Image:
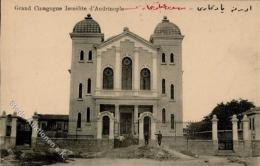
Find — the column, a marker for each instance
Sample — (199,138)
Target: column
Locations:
(215,132)
(98,74)
(155,112)
(117,120)
(99,128)
(141,130)
(117,70)
(99,122)
(136,120)
(111,128)
(234,121)
(136,71)
(154,73)
(214,128)
(3,125)
(153,129)
(245,121)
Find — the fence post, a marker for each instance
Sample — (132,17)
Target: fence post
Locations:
(14,129)
(246,136)
(3,125)
(245,121)
(215,132)
(234,121)
(35,129)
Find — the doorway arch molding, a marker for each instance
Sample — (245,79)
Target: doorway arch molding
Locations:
(141,125)
(100,124)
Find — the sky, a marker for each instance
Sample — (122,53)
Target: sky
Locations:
(220,50)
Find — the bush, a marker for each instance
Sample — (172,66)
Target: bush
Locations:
(3,153)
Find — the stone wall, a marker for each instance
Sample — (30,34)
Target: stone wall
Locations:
(256,148)
(203,147)
(7,142)
(77,145)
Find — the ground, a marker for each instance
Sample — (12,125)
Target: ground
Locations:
(135,156)
(154,156)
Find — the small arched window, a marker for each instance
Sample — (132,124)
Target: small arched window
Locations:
(145,79)
(89,86)
(108,78)
(163,57)
(81,55)
(90,55)
(88,114)
(126,73)
(163,115)
(172,121)
(79,120)
(172,91)
(163,86)
(172,58)
(80,90)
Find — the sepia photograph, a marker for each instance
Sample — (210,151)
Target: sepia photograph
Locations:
(130,83)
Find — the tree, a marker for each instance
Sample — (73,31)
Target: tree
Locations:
(224,112)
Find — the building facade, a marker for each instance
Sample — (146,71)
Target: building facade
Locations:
(125,85)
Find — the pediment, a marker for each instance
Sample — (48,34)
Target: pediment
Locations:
(114,41)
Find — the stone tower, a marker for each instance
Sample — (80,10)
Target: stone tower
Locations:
(168,37)
(85,36)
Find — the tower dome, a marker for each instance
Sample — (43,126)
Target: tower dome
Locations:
(88,25)
(166,28)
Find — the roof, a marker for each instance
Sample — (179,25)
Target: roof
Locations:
(88,25)
(53,117)
(255,110)
(167,28)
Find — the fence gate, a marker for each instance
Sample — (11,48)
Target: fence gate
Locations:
(225,141)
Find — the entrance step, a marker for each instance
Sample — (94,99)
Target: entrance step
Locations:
(23,147)
(226,153)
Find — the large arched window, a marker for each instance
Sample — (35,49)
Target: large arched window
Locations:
(163,115)
(172,58)
(163,58)
(145,81)
(88,115)
(89,86)
(172,91)
(79,120)
(90,55)
(163,86)
(127,73)
(80,90)
(81,55)
(108,78)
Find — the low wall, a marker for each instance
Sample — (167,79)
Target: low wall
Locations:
(203,147)
(76,145)
(7,142)
(242,148)
(256,148)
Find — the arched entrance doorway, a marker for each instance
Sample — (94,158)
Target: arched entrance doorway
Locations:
(105,127)
(23,132)
(147,125)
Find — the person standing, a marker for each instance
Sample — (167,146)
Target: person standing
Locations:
(159,138)
(146,138)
